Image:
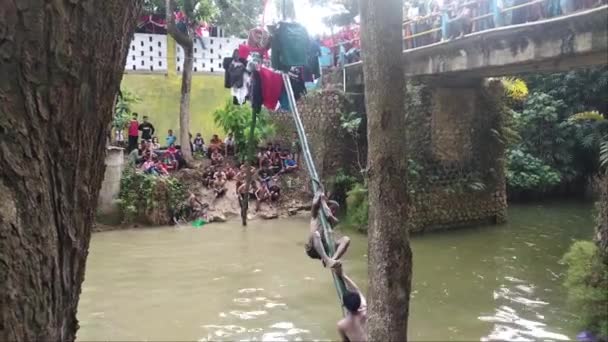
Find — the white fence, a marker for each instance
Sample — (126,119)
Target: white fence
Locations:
(210,58)
(148,53)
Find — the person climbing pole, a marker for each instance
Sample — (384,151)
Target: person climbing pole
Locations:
(353,327)
(316,241)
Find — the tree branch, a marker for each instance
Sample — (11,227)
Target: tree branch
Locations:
(181,38)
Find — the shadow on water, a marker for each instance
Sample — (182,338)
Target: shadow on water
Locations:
(225,283)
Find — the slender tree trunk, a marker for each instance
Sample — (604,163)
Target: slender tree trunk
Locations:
(187,43)
(184,103)
(390,257)
(61,63)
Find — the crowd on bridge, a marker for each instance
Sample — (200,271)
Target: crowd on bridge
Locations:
(431,21)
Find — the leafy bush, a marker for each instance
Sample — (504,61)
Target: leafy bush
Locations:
(149,198)
(526,172)
(123,111)
(357,207)
(587,281)
(516,89)
(237,120)
(340,184)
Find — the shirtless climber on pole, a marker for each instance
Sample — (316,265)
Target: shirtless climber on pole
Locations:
(353,327)
(315,245)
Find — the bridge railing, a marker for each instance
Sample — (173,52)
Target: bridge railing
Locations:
(453,21)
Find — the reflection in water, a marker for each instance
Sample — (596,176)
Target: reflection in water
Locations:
(226,283)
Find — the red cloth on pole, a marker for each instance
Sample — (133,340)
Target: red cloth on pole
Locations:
(272,87)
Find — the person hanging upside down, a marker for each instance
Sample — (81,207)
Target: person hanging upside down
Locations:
(315,246)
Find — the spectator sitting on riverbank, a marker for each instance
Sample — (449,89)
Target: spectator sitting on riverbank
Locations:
(199,144)
(171,139)
(219,183)
(135,157)
(264,176)
(262,195)
(289,164)
(274,189)
(155,144)
(208,176)
(214,143)
(229,145)
(230,172)
(216,157)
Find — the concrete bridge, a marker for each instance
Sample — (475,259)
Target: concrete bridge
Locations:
(562,43)
(454,112)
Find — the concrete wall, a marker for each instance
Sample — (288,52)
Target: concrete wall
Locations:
(107,209)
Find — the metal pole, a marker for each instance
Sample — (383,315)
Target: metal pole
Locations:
(329,246)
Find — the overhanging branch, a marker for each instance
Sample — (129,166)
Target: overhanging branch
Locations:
(181,38)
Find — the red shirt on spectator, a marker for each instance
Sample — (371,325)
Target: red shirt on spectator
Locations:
(134,128)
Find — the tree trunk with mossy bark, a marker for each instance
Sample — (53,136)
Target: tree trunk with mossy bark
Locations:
(389,253)
(187,44)
(61,63)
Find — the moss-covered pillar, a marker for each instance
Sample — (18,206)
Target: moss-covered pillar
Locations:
(456,171)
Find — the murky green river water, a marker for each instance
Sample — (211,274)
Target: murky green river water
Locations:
(222,282)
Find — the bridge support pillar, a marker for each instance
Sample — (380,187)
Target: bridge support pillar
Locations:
(456,171)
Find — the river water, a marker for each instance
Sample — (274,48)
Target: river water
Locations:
(223,282)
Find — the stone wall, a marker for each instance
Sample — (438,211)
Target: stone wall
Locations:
(455,151)
(331,148)
(456,171)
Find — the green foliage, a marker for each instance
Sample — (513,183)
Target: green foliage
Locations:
(559,126)
(526,172)
(592,115)
(237,120)
(124,109)
(579,89)
(546,135)
(340,184)
(586,282)
(515,88)
(237,17)
(195,10)
(346,11)
(604,153)
(351,124)
(139,194)
(357,204)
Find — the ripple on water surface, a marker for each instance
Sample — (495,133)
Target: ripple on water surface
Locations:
(225,283)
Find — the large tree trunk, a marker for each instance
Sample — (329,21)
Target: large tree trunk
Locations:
(390,257)
(61,63)
(184,103)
